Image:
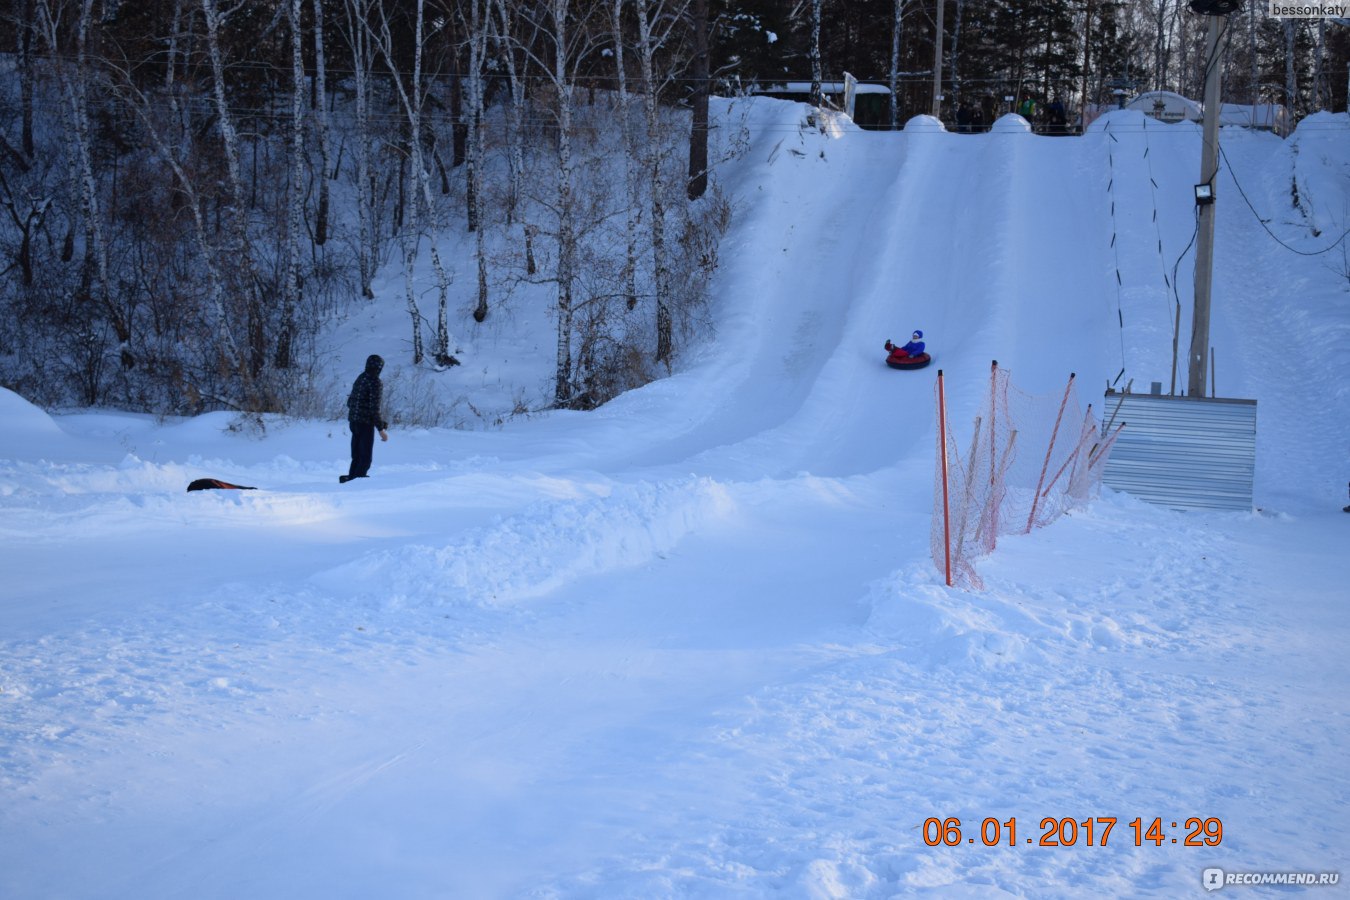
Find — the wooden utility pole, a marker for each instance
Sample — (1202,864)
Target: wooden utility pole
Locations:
(937,62)
(1204,248)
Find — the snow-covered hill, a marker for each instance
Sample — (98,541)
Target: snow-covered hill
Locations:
(691,644)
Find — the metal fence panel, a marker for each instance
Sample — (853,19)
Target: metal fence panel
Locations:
(1183,452)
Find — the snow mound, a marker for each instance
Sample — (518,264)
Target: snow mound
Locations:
(23,418)
(924,123)
(1012,123)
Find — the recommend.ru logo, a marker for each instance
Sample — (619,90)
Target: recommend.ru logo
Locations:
(1214,879)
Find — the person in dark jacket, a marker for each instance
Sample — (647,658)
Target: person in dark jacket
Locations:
(365,417)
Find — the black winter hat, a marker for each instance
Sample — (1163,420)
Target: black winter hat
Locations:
(374,363)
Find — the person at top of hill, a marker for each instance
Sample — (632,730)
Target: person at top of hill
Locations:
(908,351)
(365,417)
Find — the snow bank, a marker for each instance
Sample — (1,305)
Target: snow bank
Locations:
(1011,123)
(22,419)
(925,123)
(540,549)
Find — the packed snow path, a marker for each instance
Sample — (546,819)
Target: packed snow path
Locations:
(691,644)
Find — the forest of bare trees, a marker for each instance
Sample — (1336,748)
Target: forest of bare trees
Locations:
(1077,51)
(193,189)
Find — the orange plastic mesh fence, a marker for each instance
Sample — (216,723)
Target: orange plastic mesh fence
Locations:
(1029,460)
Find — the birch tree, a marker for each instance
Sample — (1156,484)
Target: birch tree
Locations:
(321,123)
(240,249)
(74,79)
(1321,88)
(176,150)
(698,131)
(411,99)
(649,42)
(1161,49)
(897,36)
(813,56)
(358,33)
(561,40)
(630,264)
(1290,76)
(954,58)
(296,194)
(476,27)
(502,35)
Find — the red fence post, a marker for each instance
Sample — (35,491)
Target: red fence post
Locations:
(1035,499)
(946,507)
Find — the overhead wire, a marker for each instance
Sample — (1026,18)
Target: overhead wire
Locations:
(1153,192)
(1228,166)
(1115,245)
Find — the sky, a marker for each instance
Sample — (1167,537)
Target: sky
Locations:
(693,643)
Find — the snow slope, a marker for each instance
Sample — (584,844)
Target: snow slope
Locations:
(691,644)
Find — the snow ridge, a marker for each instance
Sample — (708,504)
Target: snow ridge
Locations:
(547,545)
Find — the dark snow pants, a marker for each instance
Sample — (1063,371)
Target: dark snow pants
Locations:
(363,448)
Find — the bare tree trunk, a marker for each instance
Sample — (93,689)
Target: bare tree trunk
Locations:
(630,264)
(954,63)
(515,112)
(296,196)
(180,119)
(1254,61)
(1321,87)
(26,223)
(214,21)
(813,56)
(412,108)
(368,251)
(1290,78)
(236,217)
(94,278)
(897,33)
(698,133)
(479,22)
(321,125)
(660,254)
(563,388)
(410,237)
(1160,47)
(1192,77)
(26,82)
(171,149)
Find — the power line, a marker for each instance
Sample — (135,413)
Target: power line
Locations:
(1238,184)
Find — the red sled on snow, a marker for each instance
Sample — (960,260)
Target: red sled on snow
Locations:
(908,362)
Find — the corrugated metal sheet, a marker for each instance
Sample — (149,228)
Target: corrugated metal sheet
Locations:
(1183,452)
